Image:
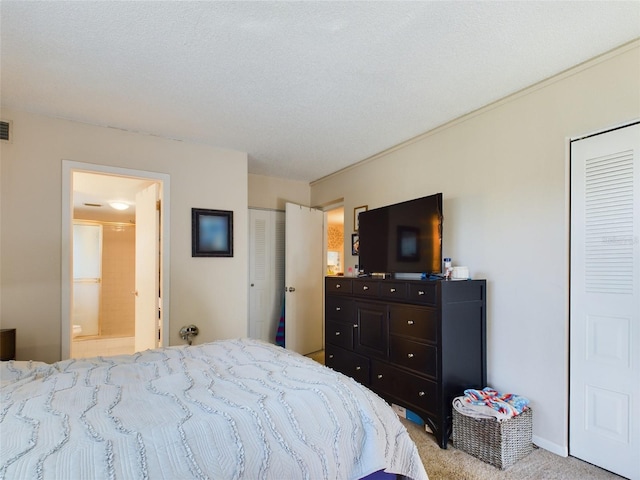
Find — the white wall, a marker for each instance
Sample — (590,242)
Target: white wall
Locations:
(504,174)
(210,292)
(273,193)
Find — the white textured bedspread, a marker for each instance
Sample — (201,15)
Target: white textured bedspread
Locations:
(235,409)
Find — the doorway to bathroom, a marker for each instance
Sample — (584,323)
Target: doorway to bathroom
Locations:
(116,300)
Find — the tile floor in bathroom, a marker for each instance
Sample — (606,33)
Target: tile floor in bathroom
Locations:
(101,346)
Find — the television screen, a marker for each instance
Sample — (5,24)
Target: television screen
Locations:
(402,238)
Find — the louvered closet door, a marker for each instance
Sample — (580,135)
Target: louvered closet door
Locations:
(266,272)
(604,423)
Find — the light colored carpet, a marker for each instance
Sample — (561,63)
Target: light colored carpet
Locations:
(453,464)
(317,356)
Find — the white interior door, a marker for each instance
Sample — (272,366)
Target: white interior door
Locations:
(304,268)
(266,272)
(604,423)
(147,268)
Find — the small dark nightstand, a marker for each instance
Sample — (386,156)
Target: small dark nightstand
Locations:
(7,344)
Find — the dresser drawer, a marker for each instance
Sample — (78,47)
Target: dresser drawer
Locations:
(417,356)
(338,285)
(339,308)
(393,290)
(349,363)
(424,293)
(416,322)
(366,288)
(340,334)
(410,390)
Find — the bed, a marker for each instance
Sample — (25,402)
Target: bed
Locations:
(232,409)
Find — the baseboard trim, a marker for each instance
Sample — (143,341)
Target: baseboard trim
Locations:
(563,451)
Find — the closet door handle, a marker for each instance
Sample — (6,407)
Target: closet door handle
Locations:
(337,334)
(410,322)
(409,355)
(338,309)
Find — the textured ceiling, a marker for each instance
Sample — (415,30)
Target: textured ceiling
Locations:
(306,88)
(93,192)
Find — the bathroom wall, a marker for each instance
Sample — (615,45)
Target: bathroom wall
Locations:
(117,306)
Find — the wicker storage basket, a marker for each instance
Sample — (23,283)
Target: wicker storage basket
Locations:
(500,444)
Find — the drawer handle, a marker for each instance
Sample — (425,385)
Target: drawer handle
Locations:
(338,309)
(365,288)
(331,355)
(421,394)
(358,368)
(338,285)
(379,375)
(355,325)
(409,355)
(420,292)
(392,290)
(410,322)
(337,333)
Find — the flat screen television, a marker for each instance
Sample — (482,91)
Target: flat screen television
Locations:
(402,238)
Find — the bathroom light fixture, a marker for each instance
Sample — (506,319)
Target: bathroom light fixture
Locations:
(119,205)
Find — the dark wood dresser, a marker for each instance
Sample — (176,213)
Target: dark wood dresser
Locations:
(417,344)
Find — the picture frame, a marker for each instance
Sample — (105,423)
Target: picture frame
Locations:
(355,244)
(356,213)
(211,233)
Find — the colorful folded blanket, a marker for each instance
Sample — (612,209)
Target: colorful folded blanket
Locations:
(507,404)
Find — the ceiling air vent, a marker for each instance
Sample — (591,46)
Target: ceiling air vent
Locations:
(5,128)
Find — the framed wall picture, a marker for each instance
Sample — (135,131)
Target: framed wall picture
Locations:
(355,244)
(211,233)
(356,212)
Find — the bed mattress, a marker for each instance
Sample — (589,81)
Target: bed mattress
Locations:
(233,409)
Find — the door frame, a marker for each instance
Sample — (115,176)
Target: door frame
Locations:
(68,167)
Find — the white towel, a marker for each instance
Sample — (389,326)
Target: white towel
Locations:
(478,411)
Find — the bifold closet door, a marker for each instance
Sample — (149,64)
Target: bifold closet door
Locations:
(266,272)
(604,423)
